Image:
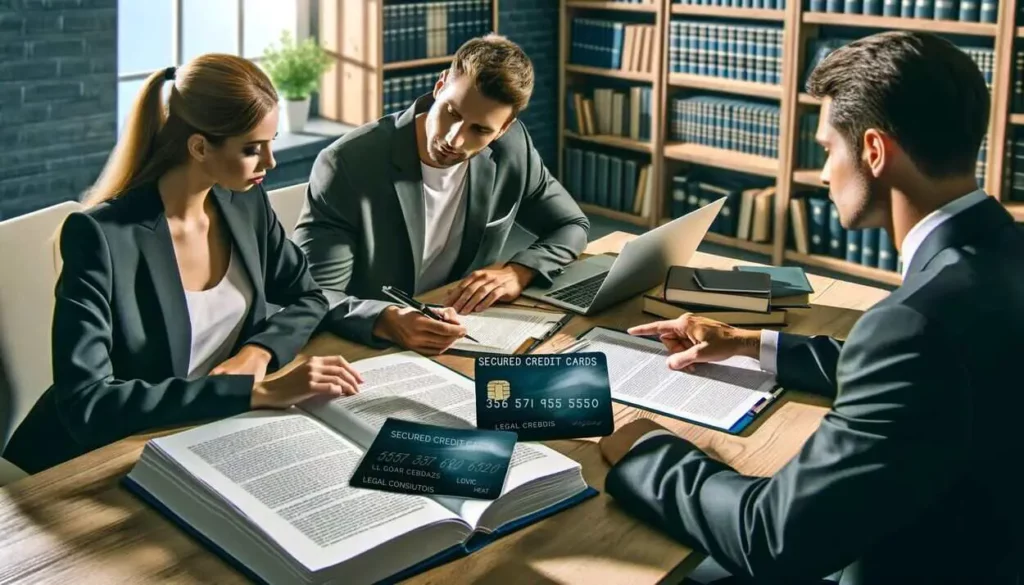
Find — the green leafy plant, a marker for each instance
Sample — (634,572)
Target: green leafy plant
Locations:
(295,69)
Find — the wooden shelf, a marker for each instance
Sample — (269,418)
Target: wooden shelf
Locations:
(722,240)
(723,84)
(806,98)
(620,6)
(609,140)
(354,90)
(721,158)
(730,12)
(613,214)
(417,63)
(784,172)
(851,268)
(808,177)
(983,29)
(615,73)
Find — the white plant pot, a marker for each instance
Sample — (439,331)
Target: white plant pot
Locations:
(294,114)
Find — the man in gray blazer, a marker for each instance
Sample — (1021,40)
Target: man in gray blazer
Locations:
(426,197)
(917,457)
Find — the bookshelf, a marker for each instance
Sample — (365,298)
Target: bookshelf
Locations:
(632,144)
(387,53)
(793,180)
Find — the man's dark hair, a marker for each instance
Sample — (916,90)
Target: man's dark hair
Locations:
(918,88)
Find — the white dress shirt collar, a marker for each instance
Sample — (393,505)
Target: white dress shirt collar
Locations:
(917,234)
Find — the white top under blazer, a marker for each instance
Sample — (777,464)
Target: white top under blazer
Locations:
(217,315)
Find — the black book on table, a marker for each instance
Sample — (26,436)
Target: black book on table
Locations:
(746,291)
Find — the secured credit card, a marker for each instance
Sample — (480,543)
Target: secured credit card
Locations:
(415,458)
(545,397)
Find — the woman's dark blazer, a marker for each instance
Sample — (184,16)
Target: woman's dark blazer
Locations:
(121,329)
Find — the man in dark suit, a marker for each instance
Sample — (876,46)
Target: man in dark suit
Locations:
(909,478)
(427,197)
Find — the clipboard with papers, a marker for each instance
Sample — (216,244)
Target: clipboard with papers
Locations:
(508,330)
(725,396)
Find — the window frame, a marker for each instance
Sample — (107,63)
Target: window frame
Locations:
(302,16)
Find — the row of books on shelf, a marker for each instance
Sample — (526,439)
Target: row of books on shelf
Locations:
(401,91)
(728,123)
(622,112)
(766,4)
(983,57)
(961,10)
(423,30)
(614,182)
(809,154)
(746,215)
(815,229)
(1017,97)
(1015,167)
(734,51)
(612,45)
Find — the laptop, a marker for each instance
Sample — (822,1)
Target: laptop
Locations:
(590,285)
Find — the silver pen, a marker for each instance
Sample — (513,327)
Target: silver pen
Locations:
(575,346)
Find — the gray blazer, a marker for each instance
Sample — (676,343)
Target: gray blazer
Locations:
(915,459)
(361,226)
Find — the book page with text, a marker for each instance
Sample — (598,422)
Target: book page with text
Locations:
(288,474)
(412,387)
(717,394)
(503,330)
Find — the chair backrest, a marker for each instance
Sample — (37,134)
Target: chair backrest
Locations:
(29,267)
(287,203)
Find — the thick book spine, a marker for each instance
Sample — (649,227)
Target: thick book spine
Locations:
(853,245)
(818,225)
(886,251)
(869,247)
(836,234)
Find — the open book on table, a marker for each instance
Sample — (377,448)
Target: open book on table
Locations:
(269,490)
(726,395)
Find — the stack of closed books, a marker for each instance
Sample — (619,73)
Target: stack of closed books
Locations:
(745,295)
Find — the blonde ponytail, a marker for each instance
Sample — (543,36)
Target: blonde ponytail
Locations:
(135,145)
(215,95)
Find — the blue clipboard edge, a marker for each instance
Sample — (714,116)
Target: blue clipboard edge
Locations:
(737,429)
(477,541)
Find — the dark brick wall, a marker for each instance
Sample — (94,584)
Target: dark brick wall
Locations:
(58,91)
(534,25)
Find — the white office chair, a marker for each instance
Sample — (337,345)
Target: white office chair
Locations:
(287,203)
(29,269)
(9,472)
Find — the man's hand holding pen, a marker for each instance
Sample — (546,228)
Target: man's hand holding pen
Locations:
(425,330)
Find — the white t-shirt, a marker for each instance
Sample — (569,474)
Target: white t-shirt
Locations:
(444,204)
(217,315)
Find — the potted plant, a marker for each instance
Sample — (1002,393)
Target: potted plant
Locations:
(296,70)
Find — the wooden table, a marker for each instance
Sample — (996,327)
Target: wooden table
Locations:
(75,524)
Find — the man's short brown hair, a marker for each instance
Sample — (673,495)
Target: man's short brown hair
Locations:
(500,69)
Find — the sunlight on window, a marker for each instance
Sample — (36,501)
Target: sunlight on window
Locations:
(264,21)
(145,32)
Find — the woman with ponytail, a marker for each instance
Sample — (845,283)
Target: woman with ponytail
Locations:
(161,315)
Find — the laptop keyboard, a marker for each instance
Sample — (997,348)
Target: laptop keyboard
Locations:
(582,293)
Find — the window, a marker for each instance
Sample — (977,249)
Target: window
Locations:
(155,34)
